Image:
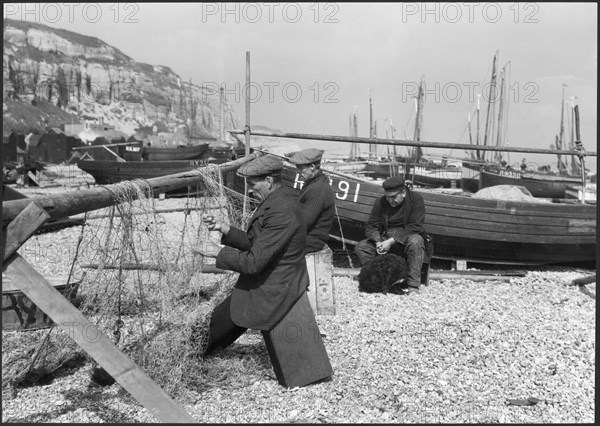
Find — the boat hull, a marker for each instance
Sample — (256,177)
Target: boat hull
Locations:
(474,229)
(107,172)
(149,153)
(470,176)
(441,177)
(541,186)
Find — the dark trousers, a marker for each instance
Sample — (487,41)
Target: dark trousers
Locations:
(295,345)
(223,332)
(412,249)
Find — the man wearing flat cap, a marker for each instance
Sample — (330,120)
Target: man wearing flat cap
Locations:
(396,226)
(316,198)
(269,257)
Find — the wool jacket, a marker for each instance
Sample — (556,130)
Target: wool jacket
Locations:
(318,209)
(396,222)
(270,260)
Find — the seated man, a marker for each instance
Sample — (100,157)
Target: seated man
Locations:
(316,198)
(396,226)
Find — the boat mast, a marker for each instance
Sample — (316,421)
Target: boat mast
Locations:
(393,131)
(470,134)
(575,169)
(221,115)
(418,151)
(562,166)
(489,124)
(372,147)
(478,153)
(353,132)
(499,142)
(351,156)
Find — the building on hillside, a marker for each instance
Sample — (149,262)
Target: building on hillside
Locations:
(88,131)
(87,126)
(9,150)
(19,139)
(54,146)
(11,146)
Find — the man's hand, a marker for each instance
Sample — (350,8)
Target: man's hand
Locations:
(215,225)
(384,246)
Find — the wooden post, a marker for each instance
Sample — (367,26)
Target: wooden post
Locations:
(581,154)
(247,130)
(56,306)
(320,291)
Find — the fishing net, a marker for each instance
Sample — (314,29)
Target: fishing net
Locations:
(139,274)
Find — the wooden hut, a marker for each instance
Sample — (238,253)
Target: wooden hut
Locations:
(9,148)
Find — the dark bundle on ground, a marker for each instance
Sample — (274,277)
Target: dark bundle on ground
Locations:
(382,274)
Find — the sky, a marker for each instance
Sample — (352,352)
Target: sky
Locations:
(314,64)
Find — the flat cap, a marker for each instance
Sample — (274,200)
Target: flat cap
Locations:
(261,166)
(395,183)
(307,156)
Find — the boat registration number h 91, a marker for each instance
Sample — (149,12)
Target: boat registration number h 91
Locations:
(342,189)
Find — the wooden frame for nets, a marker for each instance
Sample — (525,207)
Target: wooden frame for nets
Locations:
(22,218)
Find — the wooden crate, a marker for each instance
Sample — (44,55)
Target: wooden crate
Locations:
(320,291)
(20,313)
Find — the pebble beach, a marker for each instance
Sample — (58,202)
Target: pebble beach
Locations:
(519,350)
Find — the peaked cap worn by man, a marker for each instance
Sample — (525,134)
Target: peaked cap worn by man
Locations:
(307,156)
(395,183)
(261,166)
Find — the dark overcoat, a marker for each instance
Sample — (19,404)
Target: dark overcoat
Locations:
(270,260)
(318,209)
(383,219)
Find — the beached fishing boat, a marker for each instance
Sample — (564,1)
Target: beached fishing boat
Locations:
(470,179)
(578,193)
(475,229)
(435,176)
(539,184)
(164,153)
(105,172)
(478,173)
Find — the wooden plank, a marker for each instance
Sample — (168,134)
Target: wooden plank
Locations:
(22,227)
(491,236)
(119,159)
(584,280)
(437,275)
(94,342)
(129,266)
